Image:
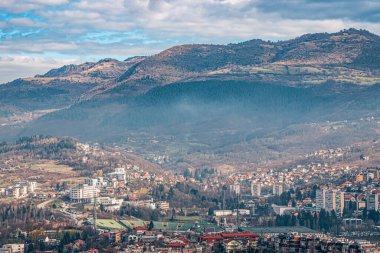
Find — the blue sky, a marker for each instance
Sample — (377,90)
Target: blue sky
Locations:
(36,35)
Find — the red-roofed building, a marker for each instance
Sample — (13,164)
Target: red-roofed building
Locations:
(175,245)
(90,251)
(141,229)
(240,235)
(210,238)
(183,239)
(243,239)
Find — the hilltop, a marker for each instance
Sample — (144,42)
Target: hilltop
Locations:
(216,100)
(348,56)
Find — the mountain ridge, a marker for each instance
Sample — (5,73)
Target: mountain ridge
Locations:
(349,56)
(212,99)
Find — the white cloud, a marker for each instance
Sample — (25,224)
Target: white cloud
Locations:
(25,22)
(25,66)
(17,6)
(202,20)
(49,2)
(41,47)
(125,28)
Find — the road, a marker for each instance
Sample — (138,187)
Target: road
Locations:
(43,204)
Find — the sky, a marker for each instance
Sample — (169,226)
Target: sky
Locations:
(37,35)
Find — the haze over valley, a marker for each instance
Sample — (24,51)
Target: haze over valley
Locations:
(247,103)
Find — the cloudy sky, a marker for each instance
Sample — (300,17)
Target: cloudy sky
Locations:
(36,35)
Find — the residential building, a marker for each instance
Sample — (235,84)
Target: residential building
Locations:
(91,181)
(335,201)
(83,193)
(280,210)
(118,174)
(222,212)
(278,189)
(163,205)
(12,248)
(255,189)
(373,201)
(330,199)
(235,187)
(320,199)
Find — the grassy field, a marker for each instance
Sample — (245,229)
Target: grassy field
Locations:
(51,167)
(43,171)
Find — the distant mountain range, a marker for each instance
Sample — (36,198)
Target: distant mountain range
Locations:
(206,98)
(349,56)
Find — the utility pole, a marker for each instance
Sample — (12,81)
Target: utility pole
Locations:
(224,200)
(237,212)
(94,210)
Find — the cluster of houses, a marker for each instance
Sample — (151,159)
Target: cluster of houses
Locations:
(110,191)
(19,190)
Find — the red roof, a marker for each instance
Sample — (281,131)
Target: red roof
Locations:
(183,239)
(239,234)
(175,245)
(228,236)
(141,228)
(81,242)
(210,237)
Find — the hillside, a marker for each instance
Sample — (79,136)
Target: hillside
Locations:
(253,101)
(61,87)
(50,159)
(222,121)
(347,56)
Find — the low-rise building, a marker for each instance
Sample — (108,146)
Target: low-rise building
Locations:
(163,205)
(12,248)
(280,210)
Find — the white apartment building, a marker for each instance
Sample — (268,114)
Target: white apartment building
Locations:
(241,212)
(255,189)
(335,200)
(219,213)
(330,199)
(83,193)
(32,186)
(143,203)
(109,201)
(91,181)
(110,204)
(373,201)
(21,189)
(120,170)
(118,174)
(278,189)
(235,187)
(12,248)
(163,205)
(320,199)
(13,192)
